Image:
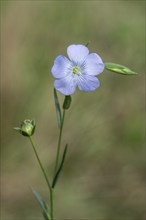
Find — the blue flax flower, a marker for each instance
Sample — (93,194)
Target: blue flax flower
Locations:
(80,70)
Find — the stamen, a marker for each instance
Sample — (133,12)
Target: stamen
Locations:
(76,70)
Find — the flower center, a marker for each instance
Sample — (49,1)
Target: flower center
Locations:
(76,70)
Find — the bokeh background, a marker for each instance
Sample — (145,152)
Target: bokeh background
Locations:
(103,176)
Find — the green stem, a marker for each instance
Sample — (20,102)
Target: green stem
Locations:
(51,204)
(59,143)
(45,176)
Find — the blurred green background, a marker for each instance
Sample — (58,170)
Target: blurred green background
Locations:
(103,176)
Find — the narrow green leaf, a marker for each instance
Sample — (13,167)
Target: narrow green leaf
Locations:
(60,168)
(43,205)
(67,102)
(58,110)
(117,68)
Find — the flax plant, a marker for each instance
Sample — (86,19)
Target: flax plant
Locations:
(79,70)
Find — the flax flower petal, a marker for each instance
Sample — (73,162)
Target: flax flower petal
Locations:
(62,66)
(88,83)
(66,85)
(77,53)
(93,65)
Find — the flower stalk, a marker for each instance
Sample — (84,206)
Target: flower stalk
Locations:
(45,176)
(40,163)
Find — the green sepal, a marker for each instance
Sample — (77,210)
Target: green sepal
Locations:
(87,44)
(60,167)
(17,129)
(67,102)
(58,110)
(117,68)
(43,205)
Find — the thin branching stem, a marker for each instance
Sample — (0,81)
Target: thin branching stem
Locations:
(45,176)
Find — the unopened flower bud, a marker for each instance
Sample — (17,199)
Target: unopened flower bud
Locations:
(27,128)
(67,102)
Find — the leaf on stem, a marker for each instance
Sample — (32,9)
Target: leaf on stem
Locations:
(117,68)
(43,204)
(60,168)
(58,110)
